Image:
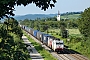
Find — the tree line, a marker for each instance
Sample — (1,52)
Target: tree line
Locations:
(49,22)
(71,13)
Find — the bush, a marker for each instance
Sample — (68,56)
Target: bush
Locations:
(59,34)
(56,33)
(53,31)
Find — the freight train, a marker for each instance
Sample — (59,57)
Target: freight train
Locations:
(52,42)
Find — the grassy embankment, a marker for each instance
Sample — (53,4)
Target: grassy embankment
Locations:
(72,44)
(44,53)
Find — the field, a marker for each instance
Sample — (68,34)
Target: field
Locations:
(71,31)
(73,16)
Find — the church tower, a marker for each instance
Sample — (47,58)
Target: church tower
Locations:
(58,16)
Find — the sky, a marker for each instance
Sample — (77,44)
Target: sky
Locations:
(61,5)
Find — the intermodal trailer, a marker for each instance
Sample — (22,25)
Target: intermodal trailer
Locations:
(23,27)
(39,35)
(35,33)
(27,29)
(31,31)
(45,38)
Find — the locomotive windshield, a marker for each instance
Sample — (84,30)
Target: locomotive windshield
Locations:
(59,43)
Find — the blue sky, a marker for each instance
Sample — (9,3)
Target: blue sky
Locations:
(61,5)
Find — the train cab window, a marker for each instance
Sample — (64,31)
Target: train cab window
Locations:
(59,43)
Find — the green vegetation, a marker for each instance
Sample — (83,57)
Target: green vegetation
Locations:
(72,16)
(44,53)
(79,30)
(44,24)
(72,32)
(84,23)
(76,41)
(11,43)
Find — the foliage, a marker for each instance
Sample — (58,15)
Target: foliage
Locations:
(12,26)
(11,44)
(63,31)
(7,6)
(50,22)
(77,41)
(71,13)
(84,23)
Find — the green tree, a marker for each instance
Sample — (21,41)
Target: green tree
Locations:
(11,45)
(84,23)
(8,6)
(12,26)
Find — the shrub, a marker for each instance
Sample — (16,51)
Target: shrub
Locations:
(56,33)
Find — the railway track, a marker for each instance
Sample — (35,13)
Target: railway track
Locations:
(76,56)
(62,56)
(80,56)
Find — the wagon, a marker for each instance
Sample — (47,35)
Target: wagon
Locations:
(45,38)
(35,33)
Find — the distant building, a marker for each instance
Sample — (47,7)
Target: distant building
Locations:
(58,16)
